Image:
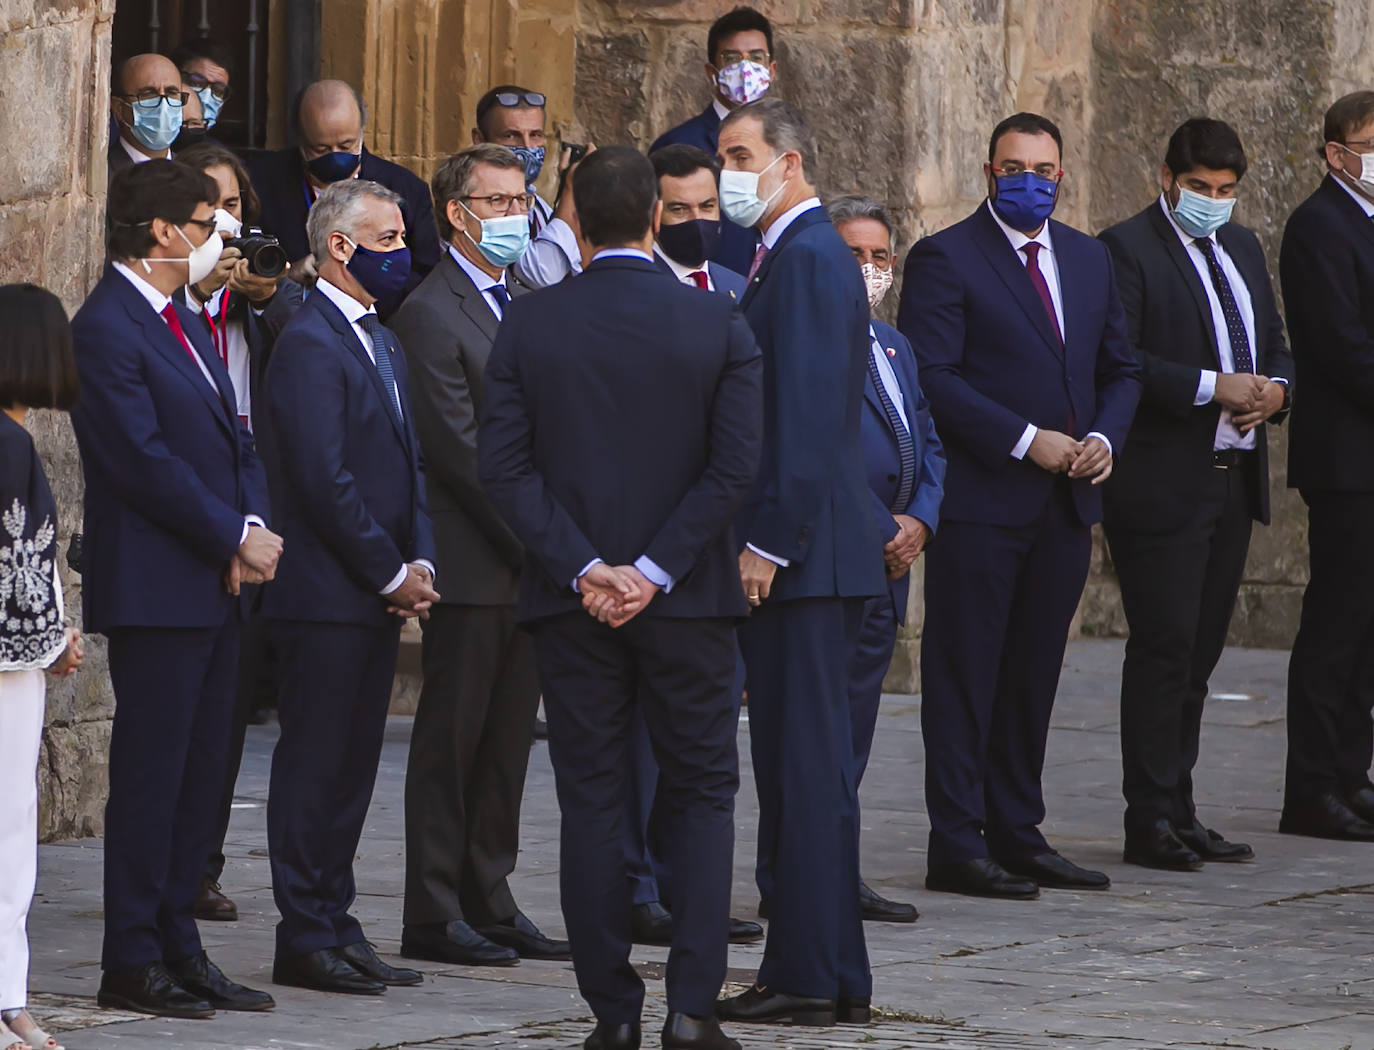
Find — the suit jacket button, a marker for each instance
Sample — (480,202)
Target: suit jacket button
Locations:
(892,477)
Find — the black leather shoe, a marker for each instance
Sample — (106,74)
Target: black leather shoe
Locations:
(1209,845)
(980,877)
(742,931)
(613,1037)
(363,958)
(1361,802)
(455,943)
(651,924)
(524,938)
(1051,871)
(324,971)
(150,989)
(1159,846)
(850,1009)
(1325,817)
(202,978)
(684,1032)
(880,909)
(764,1006)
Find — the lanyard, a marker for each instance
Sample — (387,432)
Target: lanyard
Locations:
(219,330)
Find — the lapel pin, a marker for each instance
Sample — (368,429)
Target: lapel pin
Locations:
(891,351)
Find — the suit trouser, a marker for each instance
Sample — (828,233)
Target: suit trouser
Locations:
(335,689)
(999,601)
(679,673)
(797,656)
(1178,590)
(174,696)
(21,729)
(1331,670)
(469,751)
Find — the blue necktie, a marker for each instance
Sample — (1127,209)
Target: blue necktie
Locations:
(502,297)
(381,350)
(906,449)
(1235,324)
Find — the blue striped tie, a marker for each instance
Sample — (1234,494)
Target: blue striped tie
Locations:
(381,350)
(906,450)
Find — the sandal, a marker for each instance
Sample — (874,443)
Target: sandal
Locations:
(10,1041)
(36,1038)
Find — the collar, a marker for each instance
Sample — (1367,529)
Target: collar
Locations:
(721,110)
(1364,202)
(479,277)
(135,155)
(352,310)
(780,224)
(155,298)
(679,271)
(1183,235)
(872,335)
(622,253)
(1018,239)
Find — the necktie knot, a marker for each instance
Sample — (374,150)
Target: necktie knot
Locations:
(698,278)
(1032,250)
(499,293)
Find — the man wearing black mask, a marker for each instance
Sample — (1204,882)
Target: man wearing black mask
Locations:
(692,225)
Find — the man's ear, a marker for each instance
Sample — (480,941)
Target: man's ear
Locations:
(656,223)
(457,218)
(477,139)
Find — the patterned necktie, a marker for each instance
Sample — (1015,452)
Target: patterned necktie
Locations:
(758,261)
(382,352)
(699,278)
(1235,324)
(906,449)
(1042,288)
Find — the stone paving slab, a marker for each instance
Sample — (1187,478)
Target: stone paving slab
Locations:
(1274,955)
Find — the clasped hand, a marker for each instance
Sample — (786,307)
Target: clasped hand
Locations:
(1060,454)
(1251,399)
(256,559)
(415,595)
(615,595)
(903,549)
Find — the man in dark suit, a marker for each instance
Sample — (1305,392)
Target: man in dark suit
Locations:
(739,62)
(1032,382)
(349,491)
(1326,267)
(174,524)
(906,475)
(809,556)
(328,121)
(1201,314)
(470,746)
(146,100)
(571,420)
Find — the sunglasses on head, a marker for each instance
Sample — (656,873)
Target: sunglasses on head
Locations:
(520,98)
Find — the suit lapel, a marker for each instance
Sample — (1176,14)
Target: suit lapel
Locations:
(1010,267)
(470,300)
(1186,270)
(803,221)
(354,346)
(1346,205)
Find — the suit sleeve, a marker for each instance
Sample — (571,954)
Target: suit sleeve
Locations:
(446,420)
(1168,385)
(932,317)
(1277,361)
(733,462)
(1117,372)
(308,402)
(505,464)
(281,309)
(123,437)
(930,486)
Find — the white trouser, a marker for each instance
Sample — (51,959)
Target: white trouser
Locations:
(21,731)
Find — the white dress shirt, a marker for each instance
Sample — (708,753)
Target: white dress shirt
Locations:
(1048,265)
(484,281)
(684,273)
(553,253)
(722,111)
(354,312)
(136,156)
(888,375)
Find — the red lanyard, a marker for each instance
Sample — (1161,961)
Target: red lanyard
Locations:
(219,332)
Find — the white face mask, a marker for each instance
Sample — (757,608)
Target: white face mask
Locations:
(739,194)
(201,260)
(744,82)
(877,282)
(226,223)
(1366,175)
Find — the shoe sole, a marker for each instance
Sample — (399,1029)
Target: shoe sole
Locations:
(857,1015)
(410,953)
(111,1001)
(217,917)
(965,892)
(1074,886)
(1312,833)
(262,1008)
(891,918)
(1154,865)
(329,989)
(801,1018)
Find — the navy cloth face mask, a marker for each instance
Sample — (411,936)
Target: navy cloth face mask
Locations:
(333,167)
(690,243)
(1025,200)
(382,274)
(533,159)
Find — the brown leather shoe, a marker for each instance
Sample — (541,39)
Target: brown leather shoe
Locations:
(212,905)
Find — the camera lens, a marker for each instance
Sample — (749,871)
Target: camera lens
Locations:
(268,261)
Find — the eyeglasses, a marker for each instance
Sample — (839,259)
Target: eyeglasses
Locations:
(208,225)
(1367,144)
(1015,167)
(193,124)
(520,98)
(503,202)
(218,88)
(151,98)
(731,58)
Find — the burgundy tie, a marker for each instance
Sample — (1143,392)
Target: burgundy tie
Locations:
(1042,289)
(699,277)
(169,314)
(758,261)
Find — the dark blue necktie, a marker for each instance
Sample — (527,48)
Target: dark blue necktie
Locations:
(381,350)
(1235,324)
(906,450)
(499,293)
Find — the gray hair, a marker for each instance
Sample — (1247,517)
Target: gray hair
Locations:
(454,178)
(339,208)
(857,206)
(784,128)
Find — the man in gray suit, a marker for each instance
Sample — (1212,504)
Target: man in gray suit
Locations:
(470,745)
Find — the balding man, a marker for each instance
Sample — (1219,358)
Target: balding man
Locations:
(146,99)
(327,122)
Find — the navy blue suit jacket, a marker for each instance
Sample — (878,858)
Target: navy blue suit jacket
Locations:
(883,461)
(631,429)
(991,363)
(170,473)
(723,278)
(346,474)
(809,311)
(279,181)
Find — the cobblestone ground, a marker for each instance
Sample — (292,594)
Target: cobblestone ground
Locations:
(1276,954)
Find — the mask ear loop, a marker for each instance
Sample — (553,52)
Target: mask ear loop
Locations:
(148,269)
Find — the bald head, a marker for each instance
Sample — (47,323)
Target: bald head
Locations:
(148,73)
(330,115)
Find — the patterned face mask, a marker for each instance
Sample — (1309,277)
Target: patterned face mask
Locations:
(877,281)
(744,82)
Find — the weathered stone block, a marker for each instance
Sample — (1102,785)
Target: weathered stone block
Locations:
(74,775)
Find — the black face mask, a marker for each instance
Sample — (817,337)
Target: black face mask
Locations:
(188,137)
(690,243)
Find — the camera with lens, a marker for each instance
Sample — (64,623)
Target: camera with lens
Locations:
(264,253)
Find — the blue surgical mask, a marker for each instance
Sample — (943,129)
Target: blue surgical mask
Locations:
(1025,200)
(739,194)
(1200,216)
(382,274)
(156,127)
(533,159)
(212,105)
(504,238)
(333,166)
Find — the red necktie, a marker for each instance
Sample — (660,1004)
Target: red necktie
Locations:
(758,261)
(169,314)
(699,276)
(1042,289)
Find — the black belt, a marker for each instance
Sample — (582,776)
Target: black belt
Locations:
(1226,458)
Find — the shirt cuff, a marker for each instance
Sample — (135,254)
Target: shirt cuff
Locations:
(396,581)
(1206,387)
(1102,438)
(425,563)
(585,569)
(1277,379)
(250,519)
(650,570)
(784,562)
(1020,449)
